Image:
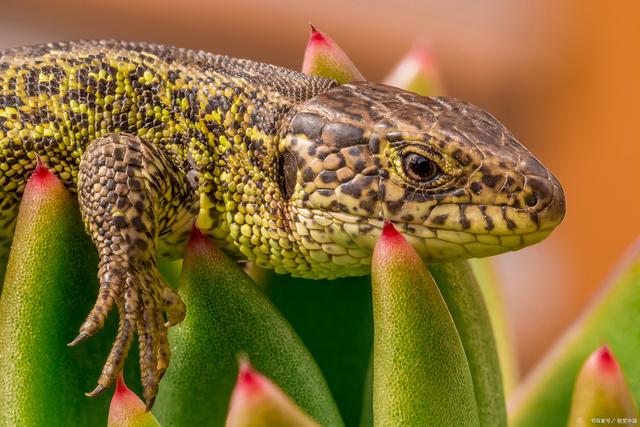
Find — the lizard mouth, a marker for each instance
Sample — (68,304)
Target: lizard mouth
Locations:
(491,231)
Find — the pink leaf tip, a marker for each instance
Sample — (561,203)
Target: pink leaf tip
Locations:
(248,379)
(417,72)
(388,229)
(42,175)
(316,36)
(257,402)
(605,360)
(127,410)
(198,239)
(121,387)
(391,234)
(324,58)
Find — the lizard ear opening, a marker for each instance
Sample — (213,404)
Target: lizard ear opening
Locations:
(287,171)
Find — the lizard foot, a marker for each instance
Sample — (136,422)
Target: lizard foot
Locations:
(128,193)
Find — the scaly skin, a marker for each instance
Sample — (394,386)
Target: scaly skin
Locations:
(293,172)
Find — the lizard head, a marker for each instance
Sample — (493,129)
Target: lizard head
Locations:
(451,178)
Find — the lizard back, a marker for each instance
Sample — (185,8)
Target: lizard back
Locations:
(56,98)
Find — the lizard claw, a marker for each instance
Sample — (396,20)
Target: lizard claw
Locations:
(109,288)
(149,331)
(117,356)
(149,404)
(141,306)
(80,338)
(96,391)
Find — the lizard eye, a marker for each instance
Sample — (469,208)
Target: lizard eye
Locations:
(419,168)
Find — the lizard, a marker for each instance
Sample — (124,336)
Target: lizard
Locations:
(293,172)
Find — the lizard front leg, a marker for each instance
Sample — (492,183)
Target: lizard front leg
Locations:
(129,194)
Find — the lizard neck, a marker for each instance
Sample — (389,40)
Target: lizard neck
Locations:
(234,151)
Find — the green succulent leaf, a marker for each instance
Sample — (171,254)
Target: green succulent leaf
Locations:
(334,320)
(465,302)
(227,315)
(49,287)
(601,393)
(170,271)
(486,279)
(420,372)
(545,396)
(366,413)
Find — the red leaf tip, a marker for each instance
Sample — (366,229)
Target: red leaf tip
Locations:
(41,171)
(245,372)
(42,179)
(389,230)
(197,237)
(423,54)
(248,379)
(317,36)
(121,386)
(604,359)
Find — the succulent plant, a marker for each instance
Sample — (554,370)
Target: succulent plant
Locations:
(409,345)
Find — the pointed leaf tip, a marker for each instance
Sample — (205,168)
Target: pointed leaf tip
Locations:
(605,359)
(42,177)
(248,379)
(324,58)
(389,230)
(417,72)
(121,387)
(127,410)
(197,238)
(316,36)
(392,244)
(601,391)
(257,402)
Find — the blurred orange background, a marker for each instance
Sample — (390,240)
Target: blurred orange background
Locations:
(563,76)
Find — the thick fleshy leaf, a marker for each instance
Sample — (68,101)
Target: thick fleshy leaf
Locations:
(4,260)
(417,72)
(366,412)
(545,396)
(227,315)
(420,372)
(50,285)
(334,320)
(257,402)
(465,302)
(601,395)
(128,410)
(170,271)
(324,58)
(487,281)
